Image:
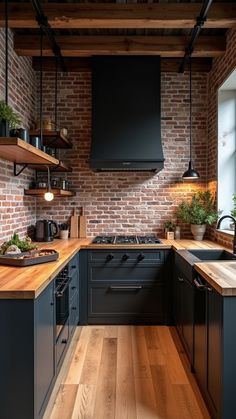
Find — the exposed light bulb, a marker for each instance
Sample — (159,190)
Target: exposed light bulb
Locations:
(48,196)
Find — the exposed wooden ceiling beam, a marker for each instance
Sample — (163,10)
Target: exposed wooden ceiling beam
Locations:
(98,15)
(85,46)
(84,64)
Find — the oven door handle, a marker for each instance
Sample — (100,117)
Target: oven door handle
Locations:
(60,293)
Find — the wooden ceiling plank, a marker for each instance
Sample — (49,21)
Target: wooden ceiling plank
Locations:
(115,15)
(86,46)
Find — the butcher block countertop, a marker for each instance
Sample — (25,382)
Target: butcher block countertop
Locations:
(29,282)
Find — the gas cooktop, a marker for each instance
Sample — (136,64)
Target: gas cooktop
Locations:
(148,239)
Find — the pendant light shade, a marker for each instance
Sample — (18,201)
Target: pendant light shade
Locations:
(190,173)
(49,195)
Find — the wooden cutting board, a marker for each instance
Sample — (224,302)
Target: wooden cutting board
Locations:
(74,225)
(82,224)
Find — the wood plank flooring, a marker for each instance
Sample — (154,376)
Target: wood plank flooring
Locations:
(129,372)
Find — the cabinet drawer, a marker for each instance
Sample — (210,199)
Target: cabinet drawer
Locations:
(62,342)
(74,313)
(125,273)
(73,265)
(121,300)
(126,256)
(74,285)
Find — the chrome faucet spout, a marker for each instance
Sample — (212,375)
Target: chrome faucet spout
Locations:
(234,221)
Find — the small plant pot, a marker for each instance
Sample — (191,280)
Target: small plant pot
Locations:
(170,235)
(64,234)
(198,231)
(4,128)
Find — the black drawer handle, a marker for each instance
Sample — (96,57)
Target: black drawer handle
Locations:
(64,341)
(74,308)
(110,256)
(199,284)
(73,267)
(125,257)
(141,256)
(126,288)
(73,288)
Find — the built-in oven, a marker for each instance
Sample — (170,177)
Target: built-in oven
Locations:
(62,299)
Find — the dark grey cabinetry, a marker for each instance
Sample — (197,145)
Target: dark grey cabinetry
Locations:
(126,286)
(184,304)
(215,348)
(26,355)
(30,357)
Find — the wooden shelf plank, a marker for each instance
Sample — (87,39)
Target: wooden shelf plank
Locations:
(18,151)
(59,167)
(41,191)
(53,138)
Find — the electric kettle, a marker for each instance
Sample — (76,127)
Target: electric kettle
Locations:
(46,230)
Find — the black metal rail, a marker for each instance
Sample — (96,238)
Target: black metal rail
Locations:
(46,28)
(195,33)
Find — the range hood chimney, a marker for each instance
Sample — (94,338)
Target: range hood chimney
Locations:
(126,128)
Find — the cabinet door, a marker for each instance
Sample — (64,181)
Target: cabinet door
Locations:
(44,344)
(214,351)
(177,300)
(200,336)
(187,307)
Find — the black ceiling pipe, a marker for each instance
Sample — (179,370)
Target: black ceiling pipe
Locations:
(195,33)
(45,26)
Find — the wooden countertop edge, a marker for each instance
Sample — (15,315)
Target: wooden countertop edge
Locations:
(215,279)
(73,246)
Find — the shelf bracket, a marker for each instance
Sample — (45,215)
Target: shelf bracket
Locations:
(21,170)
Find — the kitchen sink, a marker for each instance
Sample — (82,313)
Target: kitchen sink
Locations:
(212,254)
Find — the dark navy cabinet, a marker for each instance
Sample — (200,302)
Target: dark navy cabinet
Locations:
(126,286)
(30,356)
(184,304)
(215,348)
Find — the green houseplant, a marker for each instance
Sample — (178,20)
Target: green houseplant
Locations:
(198,212)
(8,119)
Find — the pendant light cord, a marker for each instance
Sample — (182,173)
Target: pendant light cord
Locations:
(190,105)
(6,52)
(41,87)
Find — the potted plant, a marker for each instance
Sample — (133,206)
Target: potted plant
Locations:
(169,229)
(8,119)
(199,212)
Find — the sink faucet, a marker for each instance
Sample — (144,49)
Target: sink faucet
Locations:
(234,221)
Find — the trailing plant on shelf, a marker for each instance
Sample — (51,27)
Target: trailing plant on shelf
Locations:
(9,119)
(198,212)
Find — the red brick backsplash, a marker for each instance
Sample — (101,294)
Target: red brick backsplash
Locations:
(17,211)
(128,202)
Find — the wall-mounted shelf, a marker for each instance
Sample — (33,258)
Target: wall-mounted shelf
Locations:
(53,138)
(56,192)
(18,151)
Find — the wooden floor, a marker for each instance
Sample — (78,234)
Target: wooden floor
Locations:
(128,372)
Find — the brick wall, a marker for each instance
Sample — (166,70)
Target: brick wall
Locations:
(221,69)
(128,202)
(16,210)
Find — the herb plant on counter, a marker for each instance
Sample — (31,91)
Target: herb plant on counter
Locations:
(23,245)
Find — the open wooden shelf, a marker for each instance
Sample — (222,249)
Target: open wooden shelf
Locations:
(41,191)
(18,151)
(53,138)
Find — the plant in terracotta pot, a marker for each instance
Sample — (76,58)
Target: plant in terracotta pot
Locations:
(199,212)
(9,119)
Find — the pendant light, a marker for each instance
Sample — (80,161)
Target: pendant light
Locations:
(49,195)
(190,173)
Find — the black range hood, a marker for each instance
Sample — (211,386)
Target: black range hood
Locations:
(126,128)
